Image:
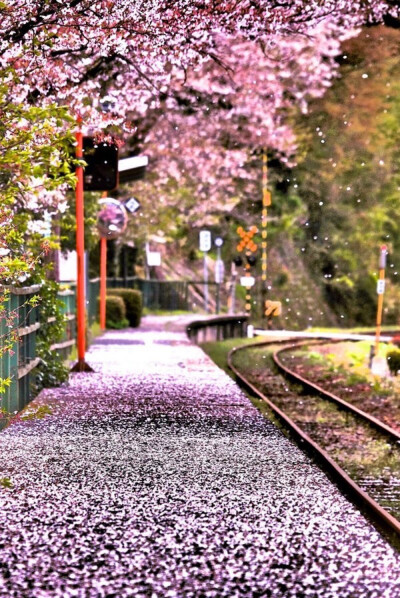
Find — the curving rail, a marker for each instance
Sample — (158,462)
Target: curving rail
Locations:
(328,395)
(358,495)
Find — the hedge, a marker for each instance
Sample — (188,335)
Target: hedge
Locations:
(393,361)
(133,304)
(115,313)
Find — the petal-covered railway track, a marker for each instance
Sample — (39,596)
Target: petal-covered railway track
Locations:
(359,451)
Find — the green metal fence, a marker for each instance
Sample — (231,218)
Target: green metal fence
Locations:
(93,292)
(67,299)
(163,294)
(169,295)
(19,363)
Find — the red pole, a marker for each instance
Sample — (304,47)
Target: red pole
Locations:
(103,281)
(80,366)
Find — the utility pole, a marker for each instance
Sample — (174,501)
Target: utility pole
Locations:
(266,201)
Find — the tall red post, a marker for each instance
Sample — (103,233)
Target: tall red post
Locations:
(81,365)
(103,281)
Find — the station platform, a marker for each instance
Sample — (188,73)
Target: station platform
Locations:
(154,476)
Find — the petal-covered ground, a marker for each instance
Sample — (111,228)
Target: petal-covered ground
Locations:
(155,477)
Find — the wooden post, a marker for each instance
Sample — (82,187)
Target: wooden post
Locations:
(266,201)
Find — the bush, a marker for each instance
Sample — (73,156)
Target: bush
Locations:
(51,370)
(115,313)
(133,304)
(393,361)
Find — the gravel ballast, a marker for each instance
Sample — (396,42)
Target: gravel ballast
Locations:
(155,477)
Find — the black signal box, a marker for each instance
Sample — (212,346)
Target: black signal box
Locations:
(101,172)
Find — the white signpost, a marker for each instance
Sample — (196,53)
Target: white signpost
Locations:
(153,258)
(219,271)
(205,245)
(205,240)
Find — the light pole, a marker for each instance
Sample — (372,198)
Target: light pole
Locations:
(266,201)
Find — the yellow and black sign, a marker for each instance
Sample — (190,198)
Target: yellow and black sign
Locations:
(273,308)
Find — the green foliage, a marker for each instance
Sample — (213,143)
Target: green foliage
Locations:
(133,304)
(6,483)
(281,279)
(4,384)
(349,178)
(38,413)
(68,223)
(51,371)
(393,361)
(34,160)
(35,165)
(115,313)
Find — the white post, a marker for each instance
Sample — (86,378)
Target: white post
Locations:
(205,245)
(205,277)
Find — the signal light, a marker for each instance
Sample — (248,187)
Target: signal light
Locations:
(101,172)
(251,260)
(238,261)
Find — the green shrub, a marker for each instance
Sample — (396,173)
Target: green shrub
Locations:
(393,361)
(51,370)
(115,313)
(281,279)
(133,304)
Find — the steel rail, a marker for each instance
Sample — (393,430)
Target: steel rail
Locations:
(358,495)
(373,421)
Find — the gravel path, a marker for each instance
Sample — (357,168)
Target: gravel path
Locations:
(155,477)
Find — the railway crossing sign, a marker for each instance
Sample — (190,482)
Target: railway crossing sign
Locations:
(273,308)
(246,239)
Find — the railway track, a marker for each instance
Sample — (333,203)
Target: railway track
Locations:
(295,409)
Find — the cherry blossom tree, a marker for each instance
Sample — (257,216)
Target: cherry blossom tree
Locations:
(202,84)
(212,80)
(131,48)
